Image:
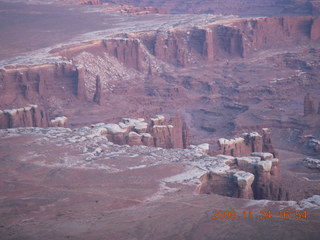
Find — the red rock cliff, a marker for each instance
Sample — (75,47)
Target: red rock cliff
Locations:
(253,177)
(246,144)
(31,116)
(172,133)
(145,51)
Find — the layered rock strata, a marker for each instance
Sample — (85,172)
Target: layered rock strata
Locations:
(247,144)
(241,146)
(97,94)
(145,51)
(160,132)
(254,177)
(31,116)
(90,2)
(267,145)
(38,83)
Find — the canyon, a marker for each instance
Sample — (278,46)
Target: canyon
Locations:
(227,7)
(131,122)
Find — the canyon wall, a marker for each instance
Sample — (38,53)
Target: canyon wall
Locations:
(31,116)
(34,84)
(236,7)
(245,37)
(254,177)
(127,51)
(143,53)
(231,38)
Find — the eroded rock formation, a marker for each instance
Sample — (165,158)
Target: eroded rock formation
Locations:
(232,183)
(227,7)
(247,144)
(36,83)
(127,50)
(97,94)
(254,177)
(180,47)
(311,163)
(90,2)
(267,145)
(31,116)
(59,122)
(241,146)
(160,132)
(80,89)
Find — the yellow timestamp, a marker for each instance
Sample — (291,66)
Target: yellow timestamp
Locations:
(263,214)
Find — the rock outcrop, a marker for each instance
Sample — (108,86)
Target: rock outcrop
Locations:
(140,51)
(171,47)
(98,92)
(241,146)
(79,80)
(180,132)
(201,148)
(163,136)
(31,116)
(267,175)
(247,144)
(232,183)
(37,83)
(232,7)
(312,143)
(311,163)
(90,2)
(59,122)
(267,145)
(254,177)
(134,139)
(160,132)
(127,50)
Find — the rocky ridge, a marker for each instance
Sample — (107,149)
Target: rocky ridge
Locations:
(239,7)
(160,132)
(255,177)
(239,173)
(246,144)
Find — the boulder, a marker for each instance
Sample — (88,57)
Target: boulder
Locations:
(59,122)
